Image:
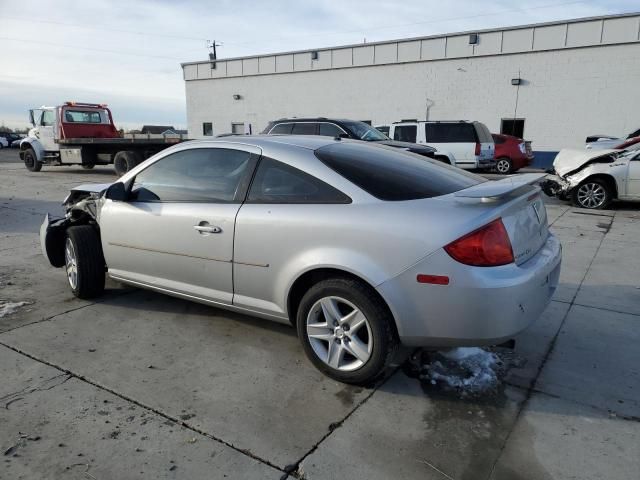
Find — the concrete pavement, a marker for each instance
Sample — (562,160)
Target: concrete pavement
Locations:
(140,385)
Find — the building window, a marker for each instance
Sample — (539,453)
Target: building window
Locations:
(512,126)
(207,129)
(237,128)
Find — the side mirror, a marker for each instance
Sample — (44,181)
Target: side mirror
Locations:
(116,192)
(31,119)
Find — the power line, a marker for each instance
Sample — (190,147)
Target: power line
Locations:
(103,27)
(102,50)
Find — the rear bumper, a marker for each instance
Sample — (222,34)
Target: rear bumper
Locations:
(480,306)
(486,162)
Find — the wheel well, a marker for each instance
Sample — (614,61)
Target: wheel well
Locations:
(605,178)
(443,159)
(308,279)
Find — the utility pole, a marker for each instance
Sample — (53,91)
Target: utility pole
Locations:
(212,53)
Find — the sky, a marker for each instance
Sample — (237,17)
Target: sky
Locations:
(128,53)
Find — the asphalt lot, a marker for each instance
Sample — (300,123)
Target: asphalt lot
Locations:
(140,385)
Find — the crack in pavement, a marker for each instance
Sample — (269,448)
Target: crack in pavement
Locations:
(47,384)
(47,319)
(295,468)
(532,389)
(158,412)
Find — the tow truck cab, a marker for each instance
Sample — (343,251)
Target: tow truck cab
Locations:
(84,134)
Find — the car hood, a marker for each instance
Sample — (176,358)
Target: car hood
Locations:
(569,160)
(413,147)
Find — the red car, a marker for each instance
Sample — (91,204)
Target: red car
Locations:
(511,153)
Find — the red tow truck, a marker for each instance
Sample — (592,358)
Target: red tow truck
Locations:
(84,134)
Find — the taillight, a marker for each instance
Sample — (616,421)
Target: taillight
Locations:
(488,246)
(477,148)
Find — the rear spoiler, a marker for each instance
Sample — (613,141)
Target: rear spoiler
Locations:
(499,190)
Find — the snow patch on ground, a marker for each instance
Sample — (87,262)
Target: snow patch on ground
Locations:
(467,370)
(7,308)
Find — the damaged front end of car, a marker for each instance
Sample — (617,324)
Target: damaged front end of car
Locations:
(81,208)
(572,167)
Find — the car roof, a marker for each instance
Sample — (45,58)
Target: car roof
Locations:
(436,121)
(309,142)
(314,119)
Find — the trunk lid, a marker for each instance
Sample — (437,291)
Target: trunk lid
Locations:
(519,204)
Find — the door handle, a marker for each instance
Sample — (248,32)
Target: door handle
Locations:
(207,229)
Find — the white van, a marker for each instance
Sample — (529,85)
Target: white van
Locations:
(470,144)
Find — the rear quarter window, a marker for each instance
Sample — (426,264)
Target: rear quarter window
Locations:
(394,175)
(405,133)
(450,133)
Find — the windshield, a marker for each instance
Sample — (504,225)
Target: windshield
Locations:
(365,132)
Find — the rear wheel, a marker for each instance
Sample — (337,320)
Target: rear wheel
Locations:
(31,160)
(504,165)
(125,161)
(346,330)
(592,194)
(84,261)
(88,166)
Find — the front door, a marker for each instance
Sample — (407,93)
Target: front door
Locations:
(176,230)
(46,130)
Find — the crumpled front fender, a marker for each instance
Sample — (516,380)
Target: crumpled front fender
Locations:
(52,238)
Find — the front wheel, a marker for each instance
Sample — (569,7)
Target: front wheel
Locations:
(346,330)
(592,194)
(504,165)
(31,160)
(84,261)
(88,166)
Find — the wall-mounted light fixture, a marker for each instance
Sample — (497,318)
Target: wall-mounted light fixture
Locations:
(473,39)
(237,96)
(314,55)
(516,81)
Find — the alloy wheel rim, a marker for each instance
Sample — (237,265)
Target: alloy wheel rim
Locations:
(71,263)
(339,334)
(502,166)
(591,195)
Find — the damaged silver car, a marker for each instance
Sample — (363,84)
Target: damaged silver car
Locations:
(361,247)
(594,178)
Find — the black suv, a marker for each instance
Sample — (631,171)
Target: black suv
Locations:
(331,127)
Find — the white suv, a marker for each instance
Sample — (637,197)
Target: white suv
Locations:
(469,144)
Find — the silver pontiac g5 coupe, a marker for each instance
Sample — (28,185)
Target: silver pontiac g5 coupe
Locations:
(361,247)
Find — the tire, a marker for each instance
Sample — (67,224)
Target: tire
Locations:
(593,194)
(84,261)
(31,160)
(504,165)
(88,166)
(125,161)
(375,339)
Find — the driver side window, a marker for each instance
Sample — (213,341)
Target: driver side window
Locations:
(203,175)
(47,118)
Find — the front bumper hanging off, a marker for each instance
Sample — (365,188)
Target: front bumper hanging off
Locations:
(555,186)
(52,236)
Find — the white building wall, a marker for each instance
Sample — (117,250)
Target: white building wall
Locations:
(567,93)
